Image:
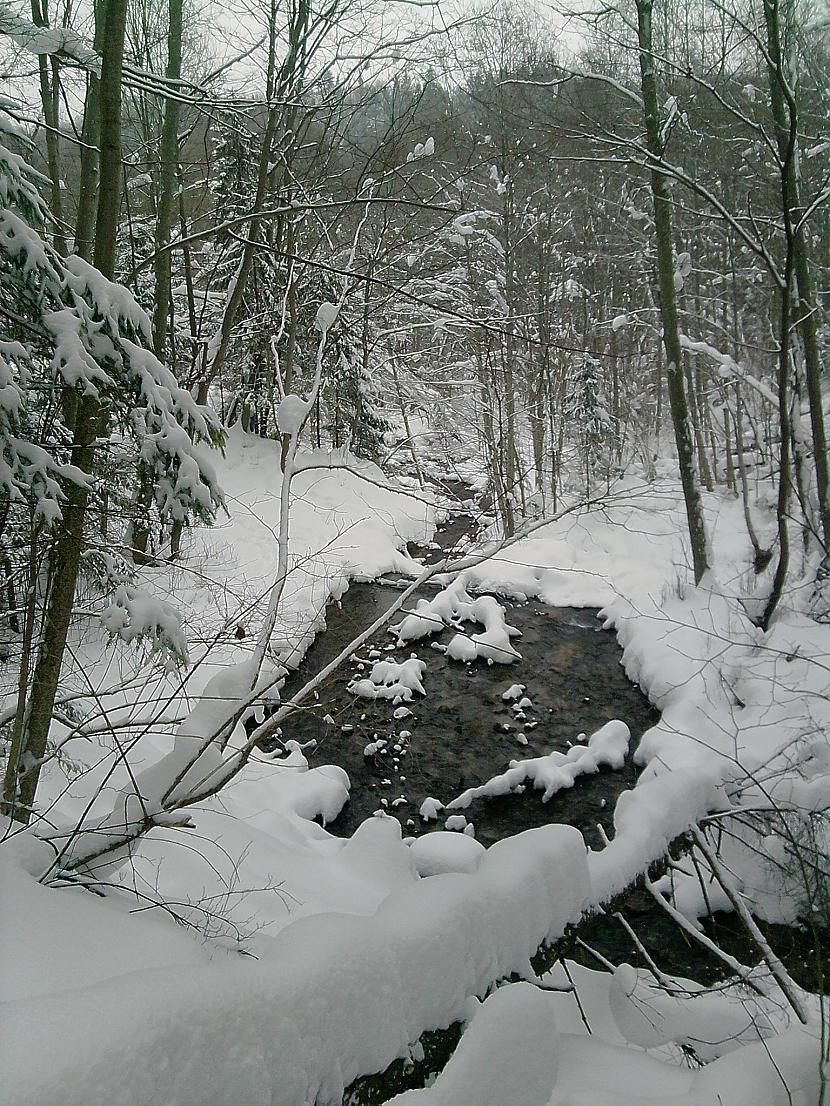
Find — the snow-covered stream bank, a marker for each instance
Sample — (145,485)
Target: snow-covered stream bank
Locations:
(454,744)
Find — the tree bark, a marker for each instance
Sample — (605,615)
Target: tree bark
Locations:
(49,77)
(668,303)
(168,160)
(782,506)
(109,182)
(90,152)
(785,116)
(139,531)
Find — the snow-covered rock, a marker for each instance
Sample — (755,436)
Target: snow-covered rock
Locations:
(443,851)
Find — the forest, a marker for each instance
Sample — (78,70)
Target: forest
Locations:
(415,553)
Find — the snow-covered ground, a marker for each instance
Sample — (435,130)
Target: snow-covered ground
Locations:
(353,953)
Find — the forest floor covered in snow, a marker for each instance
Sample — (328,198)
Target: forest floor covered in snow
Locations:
(253,957)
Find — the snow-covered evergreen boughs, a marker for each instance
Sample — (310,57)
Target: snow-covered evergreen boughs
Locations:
(86,335)
(134,615)
(26,469)
(594,427)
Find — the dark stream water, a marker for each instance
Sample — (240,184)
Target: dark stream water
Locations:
(462,732)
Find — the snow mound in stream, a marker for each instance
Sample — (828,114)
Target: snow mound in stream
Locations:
(390,680)
(556,771)
(454,606)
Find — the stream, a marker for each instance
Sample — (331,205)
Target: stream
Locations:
(462,732)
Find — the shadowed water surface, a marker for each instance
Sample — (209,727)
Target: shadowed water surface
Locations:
(462,732)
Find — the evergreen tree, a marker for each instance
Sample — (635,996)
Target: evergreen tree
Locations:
(592,424)
(71,335)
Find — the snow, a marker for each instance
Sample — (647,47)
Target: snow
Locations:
(711,1024)
(335,997)
(453,606)
(254,856)
(390,680)
(364,943)
(49,40)
(326,316)
(430,809)
(440,851)
(456,822)
(646,820)
(525,1045)
(73,938)
(136,616)
(422,150)
(507,1056)
(555,771)
(515,691)
(291,413)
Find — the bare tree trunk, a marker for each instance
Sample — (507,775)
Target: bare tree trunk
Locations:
(90,153)
(66,559)
(139,530)
(16,749)
(782,507)
(49,78)
(406,426)
(168,160)
(536,416)
(510,469)
(291,342)
(188,270)
(762,556)
(785,116)
(668,304)
(730,482)
(109,183)
(694,410)
(536,397)
(278,114)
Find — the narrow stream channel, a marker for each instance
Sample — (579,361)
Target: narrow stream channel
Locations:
(462,732)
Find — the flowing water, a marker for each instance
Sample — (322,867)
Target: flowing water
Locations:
(462,732)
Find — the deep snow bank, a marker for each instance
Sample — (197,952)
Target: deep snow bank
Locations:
(337,997)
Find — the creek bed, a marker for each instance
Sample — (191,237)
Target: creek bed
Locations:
(463,733)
